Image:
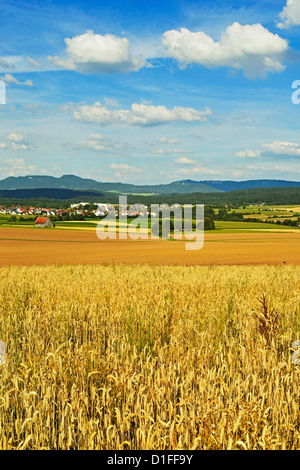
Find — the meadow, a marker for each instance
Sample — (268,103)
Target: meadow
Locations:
(149,357)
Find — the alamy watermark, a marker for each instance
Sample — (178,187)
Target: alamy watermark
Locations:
(295,96)
(179,222)
(2,92)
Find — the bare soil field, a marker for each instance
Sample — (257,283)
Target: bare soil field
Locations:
(26,247)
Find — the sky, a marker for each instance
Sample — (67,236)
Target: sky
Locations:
(150,92)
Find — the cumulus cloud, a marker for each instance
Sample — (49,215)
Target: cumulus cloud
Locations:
(93,142)
(18,141)
(139,114)
(17,146)
(3,146)
(8,78)
(282,148)
(248,153)
(185,161)
(93,53)
(251,48)
(167,151)
(290,15)
(165,140)
(277,148)
(16,137)
(196,170)
(16,167)
(124,170)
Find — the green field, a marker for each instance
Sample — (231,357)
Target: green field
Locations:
(268,211)
(221,226)
(224,226)
(258,212)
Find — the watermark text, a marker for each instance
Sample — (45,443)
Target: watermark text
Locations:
(2,92)
(179,222)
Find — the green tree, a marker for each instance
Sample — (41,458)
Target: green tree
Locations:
(209,224)
(222,214)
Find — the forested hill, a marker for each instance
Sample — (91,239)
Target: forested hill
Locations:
(77,183)
(48,194)
(251,184)
(187,186)
(60,197)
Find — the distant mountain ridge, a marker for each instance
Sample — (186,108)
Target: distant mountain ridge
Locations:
(48,193)
(78,183)
(73,182)
(251,184)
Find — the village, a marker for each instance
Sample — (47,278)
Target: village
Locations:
(78,211)
(74,209)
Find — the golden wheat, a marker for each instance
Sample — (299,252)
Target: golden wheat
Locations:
(140,357)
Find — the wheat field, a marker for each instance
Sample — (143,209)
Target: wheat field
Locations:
(149,358)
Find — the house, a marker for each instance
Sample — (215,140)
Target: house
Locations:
(43,222)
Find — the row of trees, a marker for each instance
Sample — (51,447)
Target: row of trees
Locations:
(177,225)
(288,222)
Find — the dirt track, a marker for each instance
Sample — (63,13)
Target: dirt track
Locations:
(26,246)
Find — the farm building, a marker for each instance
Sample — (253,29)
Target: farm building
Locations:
(43,222)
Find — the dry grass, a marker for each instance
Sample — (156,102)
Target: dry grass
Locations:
(132,357)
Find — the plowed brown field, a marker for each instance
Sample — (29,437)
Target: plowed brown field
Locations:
(26,246)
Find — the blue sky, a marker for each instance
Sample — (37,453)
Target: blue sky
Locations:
(150,92)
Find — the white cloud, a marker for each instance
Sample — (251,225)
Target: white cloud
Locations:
(96,136)
(290,15)
(18,141)
(123,167)
(282,148)
(22,64)
(185,161)
(196,170)
(93,142)
(139,114)
(251,48)
(35,63)
(248,153)
(8,78)
(99,142)
(93,53)
(17,146)
(165,140)
(167,151)
(14,137)
(3,146)
(16,167)
(5,63)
